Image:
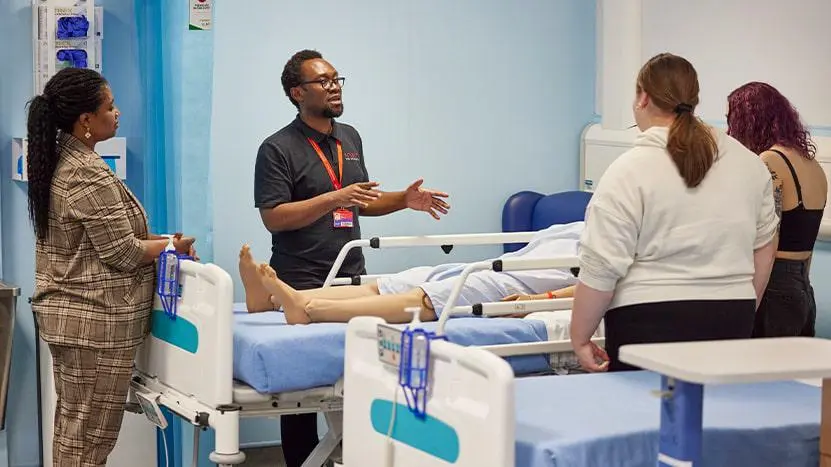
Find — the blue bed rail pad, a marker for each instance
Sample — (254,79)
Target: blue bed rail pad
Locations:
(612,419)
(272,356)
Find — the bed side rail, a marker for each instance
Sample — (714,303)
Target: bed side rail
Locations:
(537,348)
(446,242)
(503,308)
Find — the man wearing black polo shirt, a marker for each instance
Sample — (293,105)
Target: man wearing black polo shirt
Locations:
(311,185)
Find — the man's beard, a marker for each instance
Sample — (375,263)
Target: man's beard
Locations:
(329,112)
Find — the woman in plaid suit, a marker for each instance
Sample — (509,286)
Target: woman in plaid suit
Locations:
(94,266)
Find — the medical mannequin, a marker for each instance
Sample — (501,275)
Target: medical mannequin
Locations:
(426,287)
(342,303)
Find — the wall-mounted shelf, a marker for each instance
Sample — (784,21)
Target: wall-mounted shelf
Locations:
(113,151)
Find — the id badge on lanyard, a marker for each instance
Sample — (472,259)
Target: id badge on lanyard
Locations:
(342,218)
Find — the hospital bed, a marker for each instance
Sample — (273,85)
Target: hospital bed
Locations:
(477,413)
(214,363)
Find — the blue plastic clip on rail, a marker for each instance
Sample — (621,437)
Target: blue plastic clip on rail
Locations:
(412,375)
(168,280)
(415,362)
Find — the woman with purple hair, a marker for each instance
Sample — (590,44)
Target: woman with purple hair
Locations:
(764,121)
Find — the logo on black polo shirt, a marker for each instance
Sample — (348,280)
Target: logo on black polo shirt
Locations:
(352,156)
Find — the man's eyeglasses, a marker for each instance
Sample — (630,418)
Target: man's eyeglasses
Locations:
(327,83)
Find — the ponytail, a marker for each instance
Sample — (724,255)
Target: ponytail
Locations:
(671,83)
(67,95)
(42,161)
(692,146)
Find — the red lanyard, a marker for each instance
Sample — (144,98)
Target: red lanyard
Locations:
(335,181)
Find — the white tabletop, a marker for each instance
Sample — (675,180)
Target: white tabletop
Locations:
(734,361)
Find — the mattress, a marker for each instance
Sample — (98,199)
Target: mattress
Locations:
(273,357)
(616,422)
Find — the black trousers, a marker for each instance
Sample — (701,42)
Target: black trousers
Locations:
(788,307)
(299,436)
(299,432)
(678,321)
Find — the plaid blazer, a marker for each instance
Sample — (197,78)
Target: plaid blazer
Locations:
(90,289)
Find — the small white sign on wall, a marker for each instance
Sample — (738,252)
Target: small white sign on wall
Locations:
(200,15)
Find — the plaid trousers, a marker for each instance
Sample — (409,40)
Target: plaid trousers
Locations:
(92,388)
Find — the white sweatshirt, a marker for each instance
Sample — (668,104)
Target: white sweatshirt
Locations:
(650,238)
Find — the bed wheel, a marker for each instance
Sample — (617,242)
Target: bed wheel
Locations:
(227,459)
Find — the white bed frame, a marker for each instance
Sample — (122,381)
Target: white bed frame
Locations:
(486,413)
(472,392)
(198,384)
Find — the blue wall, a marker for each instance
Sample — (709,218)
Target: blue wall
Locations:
(120,66)
(482,98)
(18,256)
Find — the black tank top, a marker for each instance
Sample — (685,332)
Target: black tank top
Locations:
(799,227)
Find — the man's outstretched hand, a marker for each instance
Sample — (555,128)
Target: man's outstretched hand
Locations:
(423,199)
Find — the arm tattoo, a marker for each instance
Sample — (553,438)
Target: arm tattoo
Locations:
(777,200)
(777,192)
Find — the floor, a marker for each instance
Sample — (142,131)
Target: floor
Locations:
(264,457)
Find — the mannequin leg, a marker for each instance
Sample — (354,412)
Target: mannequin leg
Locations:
(300,308)
(258,299)
(256,296)
(389,307)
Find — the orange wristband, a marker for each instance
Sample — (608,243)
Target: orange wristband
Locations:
(551,294)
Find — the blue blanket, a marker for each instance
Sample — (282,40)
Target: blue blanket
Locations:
(273,357)
(608,420)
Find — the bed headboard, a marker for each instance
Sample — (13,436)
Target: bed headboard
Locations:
(599,147)
(193,353)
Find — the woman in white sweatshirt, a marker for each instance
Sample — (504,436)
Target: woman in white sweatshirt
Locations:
(678,242)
